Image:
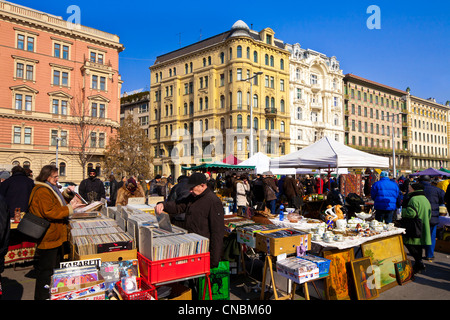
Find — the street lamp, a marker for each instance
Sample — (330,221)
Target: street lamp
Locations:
(251,110)
(58,139)
(393,143)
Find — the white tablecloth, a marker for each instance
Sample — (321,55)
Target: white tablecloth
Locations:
(349,242)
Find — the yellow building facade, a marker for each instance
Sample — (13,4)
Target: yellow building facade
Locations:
(201,98)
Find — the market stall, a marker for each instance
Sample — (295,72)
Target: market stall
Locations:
(430,172)
(219,167)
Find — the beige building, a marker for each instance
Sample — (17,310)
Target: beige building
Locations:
(428,134)
(374,111)
(200,104)
(376,120)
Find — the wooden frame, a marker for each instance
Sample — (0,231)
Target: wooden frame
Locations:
(363,279)
(337,285)
(404,271)
(384,253)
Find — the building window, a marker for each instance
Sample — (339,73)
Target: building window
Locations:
(93,139)
(62,169)
(282,64)
(27,136)
(272,63)
(239,52)
(266,59)
(255,56)
(17,135)
(282,126)
(23,102)
(101,140)
(281,85)
(313,79)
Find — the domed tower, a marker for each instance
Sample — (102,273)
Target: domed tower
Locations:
(240,29)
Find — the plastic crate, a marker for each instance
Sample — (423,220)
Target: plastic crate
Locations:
(147,291)
(322,263)
(156,272)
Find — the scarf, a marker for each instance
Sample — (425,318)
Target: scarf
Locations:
(56,189)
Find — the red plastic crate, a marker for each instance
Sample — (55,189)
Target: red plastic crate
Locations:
(148,291)
(173,269)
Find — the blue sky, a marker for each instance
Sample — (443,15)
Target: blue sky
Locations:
(412,48)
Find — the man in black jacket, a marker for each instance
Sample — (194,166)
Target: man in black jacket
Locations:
(436,197)
(16,190)
(92,188)
(204,214)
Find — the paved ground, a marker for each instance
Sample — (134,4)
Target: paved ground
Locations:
(433,284)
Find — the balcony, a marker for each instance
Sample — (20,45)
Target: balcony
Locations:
(271,112)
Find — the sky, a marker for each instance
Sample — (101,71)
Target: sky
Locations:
(409,46)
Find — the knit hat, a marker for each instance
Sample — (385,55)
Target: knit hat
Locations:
(384,174)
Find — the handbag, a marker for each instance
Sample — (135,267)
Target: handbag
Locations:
(413,226)
(33,226)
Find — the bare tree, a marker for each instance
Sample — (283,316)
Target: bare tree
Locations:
(84,124)
(129,153)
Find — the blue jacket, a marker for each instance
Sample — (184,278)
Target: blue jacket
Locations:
(436,197)
(386,195)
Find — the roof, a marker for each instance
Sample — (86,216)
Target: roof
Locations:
(350,76)
(239,29)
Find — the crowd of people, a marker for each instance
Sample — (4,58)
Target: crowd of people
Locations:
(192,200)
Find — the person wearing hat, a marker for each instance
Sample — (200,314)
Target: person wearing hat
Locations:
(210,181)
(436,197)
(387,197)
(417,205)
(92,188)
(130,189)
(204,214)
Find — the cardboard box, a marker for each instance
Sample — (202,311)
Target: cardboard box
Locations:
(265,242)
(442,246)
(180,292)
(247,234)
(107,256)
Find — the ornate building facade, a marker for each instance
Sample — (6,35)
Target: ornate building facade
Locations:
(59,93)
(200,99)
(316,95)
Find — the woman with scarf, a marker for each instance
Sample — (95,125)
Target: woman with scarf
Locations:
(130,189)
(418,205)
(49,203)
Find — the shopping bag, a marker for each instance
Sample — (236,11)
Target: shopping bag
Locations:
(220,283)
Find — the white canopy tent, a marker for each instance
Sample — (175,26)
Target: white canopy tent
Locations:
(261,162)
(328,153)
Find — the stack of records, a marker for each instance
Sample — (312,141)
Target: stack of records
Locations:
(179,246)
(99,235)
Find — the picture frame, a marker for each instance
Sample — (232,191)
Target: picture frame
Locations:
(338,284)
(385,252)
(404,271)
(364,279)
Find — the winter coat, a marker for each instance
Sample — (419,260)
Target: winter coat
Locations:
(113,187)
(386,195)
(418,204)
(4,232)
(204,215)
(270,189)
(123,194)
(48,205)
(92,190)
(291,188)
(16,190)
(436,196)
(241,194)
